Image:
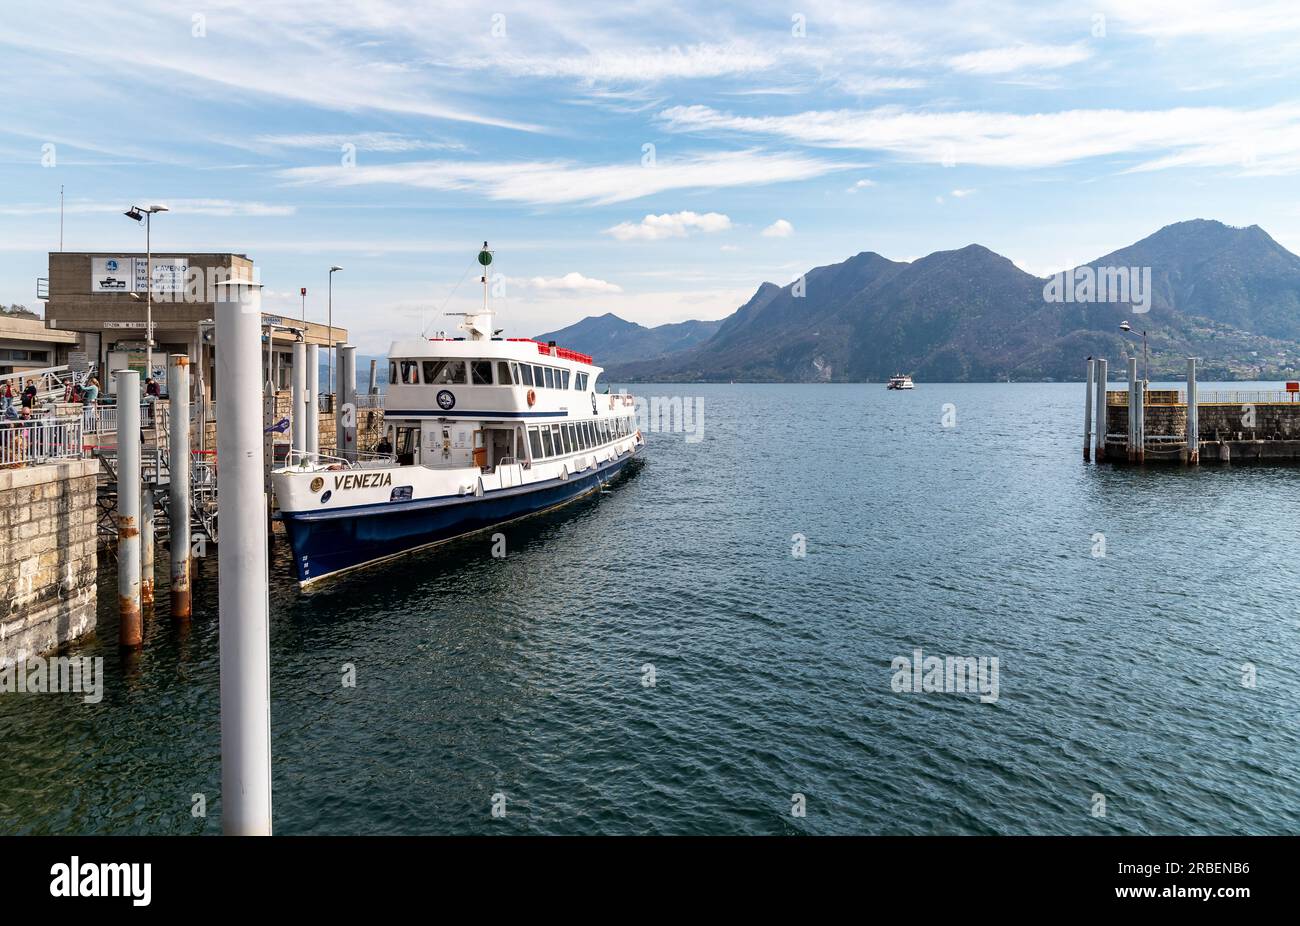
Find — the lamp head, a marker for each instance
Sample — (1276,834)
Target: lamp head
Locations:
(1124,326)
(134,213)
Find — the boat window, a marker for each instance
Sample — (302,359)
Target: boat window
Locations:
(566,379)
(521,452)
(444,372)
(410,372)
(550,377)
(573,436)
(567,436)
(547,444)
(408,445)
(586,435)
(580,382)
(535,442)
(503,373)
(392,372)
(514,373)
(480,372)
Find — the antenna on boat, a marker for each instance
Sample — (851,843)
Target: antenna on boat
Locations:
(479,324)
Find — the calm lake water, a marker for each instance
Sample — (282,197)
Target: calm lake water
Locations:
(1120,675)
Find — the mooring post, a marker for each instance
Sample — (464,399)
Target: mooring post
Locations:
(345,413)
(297,415)
(1140,429)
(1132,408)
(311,417)
(131,627)
(146,547)
(1193,417)
(1087,413)
(178,454)
(374,377)
(242,566)
(1103,412)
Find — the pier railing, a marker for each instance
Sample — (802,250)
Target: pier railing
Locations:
(40,440)
(1203,397)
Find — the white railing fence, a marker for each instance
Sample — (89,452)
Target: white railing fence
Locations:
(38,440)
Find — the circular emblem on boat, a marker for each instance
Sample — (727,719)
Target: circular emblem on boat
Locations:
(317,484)
(446,400)
(326,497)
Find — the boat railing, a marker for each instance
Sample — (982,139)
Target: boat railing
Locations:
(307,461)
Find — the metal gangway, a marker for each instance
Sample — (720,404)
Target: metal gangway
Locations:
(53,384)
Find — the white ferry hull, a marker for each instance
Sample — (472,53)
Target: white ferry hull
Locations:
(331,540)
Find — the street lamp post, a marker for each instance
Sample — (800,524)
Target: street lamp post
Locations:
(330,320)
(137,213)
(1125,326)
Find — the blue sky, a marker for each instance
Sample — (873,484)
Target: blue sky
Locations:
(393,138)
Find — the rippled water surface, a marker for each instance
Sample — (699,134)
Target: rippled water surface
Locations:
(525,676)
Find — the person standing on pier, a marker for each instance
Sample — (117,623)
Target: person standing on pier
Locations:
(91,393)
(29,394)
(7,393)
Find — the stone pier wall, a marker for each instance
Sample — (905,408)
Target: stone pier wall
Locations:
(48,558)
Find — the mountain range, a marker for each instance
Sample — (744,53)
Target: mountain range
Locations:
(1198,288)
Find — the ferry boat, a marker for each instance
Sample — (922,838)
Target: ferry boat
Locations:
(900,381)
(482,430)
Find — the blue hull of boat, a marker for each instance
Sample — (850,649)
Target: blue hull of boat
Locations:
(332,540)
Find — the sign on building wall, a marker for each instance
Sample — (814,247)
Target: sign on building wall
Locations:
(131,274)
(112,275)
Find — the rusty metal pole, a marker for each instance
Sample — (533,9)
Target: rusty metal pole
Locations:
(1087,413)
(178,452)
(244,623)
(1103,412)
(131,627)
(1193,416)
(146,547)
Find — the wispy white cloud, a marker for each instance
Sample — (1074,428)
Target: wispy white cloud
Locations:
(211,207)
(555,182)
(779,229)
(1015,58)
(861,185)
(569,283)
(642,65)
(386,142)
(1195,135)
(669,225)
(962,194)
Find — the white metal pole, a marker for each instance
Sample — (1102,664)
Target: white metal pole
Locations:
(178,451)
(346,418)
(1087,413)
(242,566)
(311,417)
(1103,413)
(131,627)
(148,295)
(1132,408)
(1193,415)
(297,419)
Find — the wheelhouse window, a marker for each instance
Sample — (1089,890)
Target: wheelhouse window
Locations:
(535,442)
(550,377)
(566,379)
(480,372)
(444,372)
(580,382)
(503,373)
(514,373)
(410,372)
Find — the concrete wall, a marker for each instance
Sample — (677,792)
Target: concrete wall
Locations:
(1280,421)
(47,560)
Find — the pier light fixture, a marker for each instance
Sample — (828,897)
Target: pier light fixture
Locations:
(330,321)
(1128,329)
(146,213)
